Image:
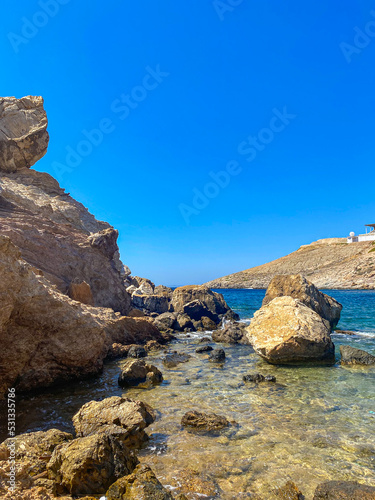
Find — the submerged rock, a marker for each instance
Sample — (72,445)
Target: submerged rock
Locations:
(344,490)
(298,287)
(231,333)
(123,418)
(289,492)
(136,372)
(89,465)
(217,356)
(175,358)
(203,349)
(204,421)
(352,356)
(287,331)
(142,484)
(258,377)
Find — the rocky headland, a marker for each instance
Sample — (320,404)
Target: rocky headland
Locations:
(329,263)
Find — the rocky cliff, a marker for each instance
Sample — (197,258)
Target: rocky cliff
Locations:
(55,233)
(63,301)
(329,264)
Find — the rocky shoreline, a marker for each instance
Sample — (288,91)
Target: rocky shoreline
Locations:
(68,304)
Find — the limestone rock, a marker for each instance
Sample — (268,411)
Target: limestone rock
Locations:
(287,331)
(136,372)
(231,333)
(166,321)
(81,291)
(44,333)
(298,287)
(210,304)
(52,232)
(89,465)
(203,349)
(175,358)
(344,490)
(34,449)
(204,421)
(142,484)
(352,356)
(123,418)
(217,356)
(289,492)
(23,132)
(150,302)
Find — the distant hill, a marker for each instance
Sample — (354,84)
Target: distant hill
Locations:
(329,263)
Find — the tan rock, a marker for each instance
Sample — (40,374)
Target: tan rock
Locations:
(123,418)
(23,132)
(136,372)
(204,421)
(81,292)
(44,333)
(142,484)
(287,331)
(89,465)
(298,287)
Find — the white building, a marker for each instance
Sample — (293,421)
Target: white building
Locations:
(369,236)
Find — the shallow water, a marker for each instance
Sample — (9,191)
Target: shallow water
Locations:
(314,424)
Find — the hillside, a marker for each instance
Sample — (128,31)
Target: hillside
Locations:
(329,263)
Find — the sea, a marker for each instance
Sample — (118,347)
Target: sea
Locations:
(316,423)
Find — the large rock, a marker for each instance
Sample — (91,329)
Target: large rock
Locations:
(136,372)
(44,334)
(199,301)
(352,356)
(158,303)
(123,418)
(23,132)
(344,490)
(54,233)
(231,333)
(287,331)
(89,465)
(33,449)
(142,484)
(298,287)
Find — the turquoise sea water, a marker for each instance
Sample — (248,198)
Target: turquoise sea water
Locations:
(317,423)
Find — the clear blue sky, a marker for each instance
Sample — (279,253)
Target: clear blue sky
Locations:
(223,68)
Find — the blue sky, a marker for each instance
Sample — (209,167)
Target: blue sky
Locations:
(178,91)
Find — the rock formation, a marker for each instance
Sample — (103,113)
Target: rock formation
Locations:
(298,287)
(136,372)
(344,490)
(142,484)
(231,333)
(353,356)
(204,421)
(287,331)
(23,132)
(187,308)
(44,333)
(329,264)
(54,233)
(123,418)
